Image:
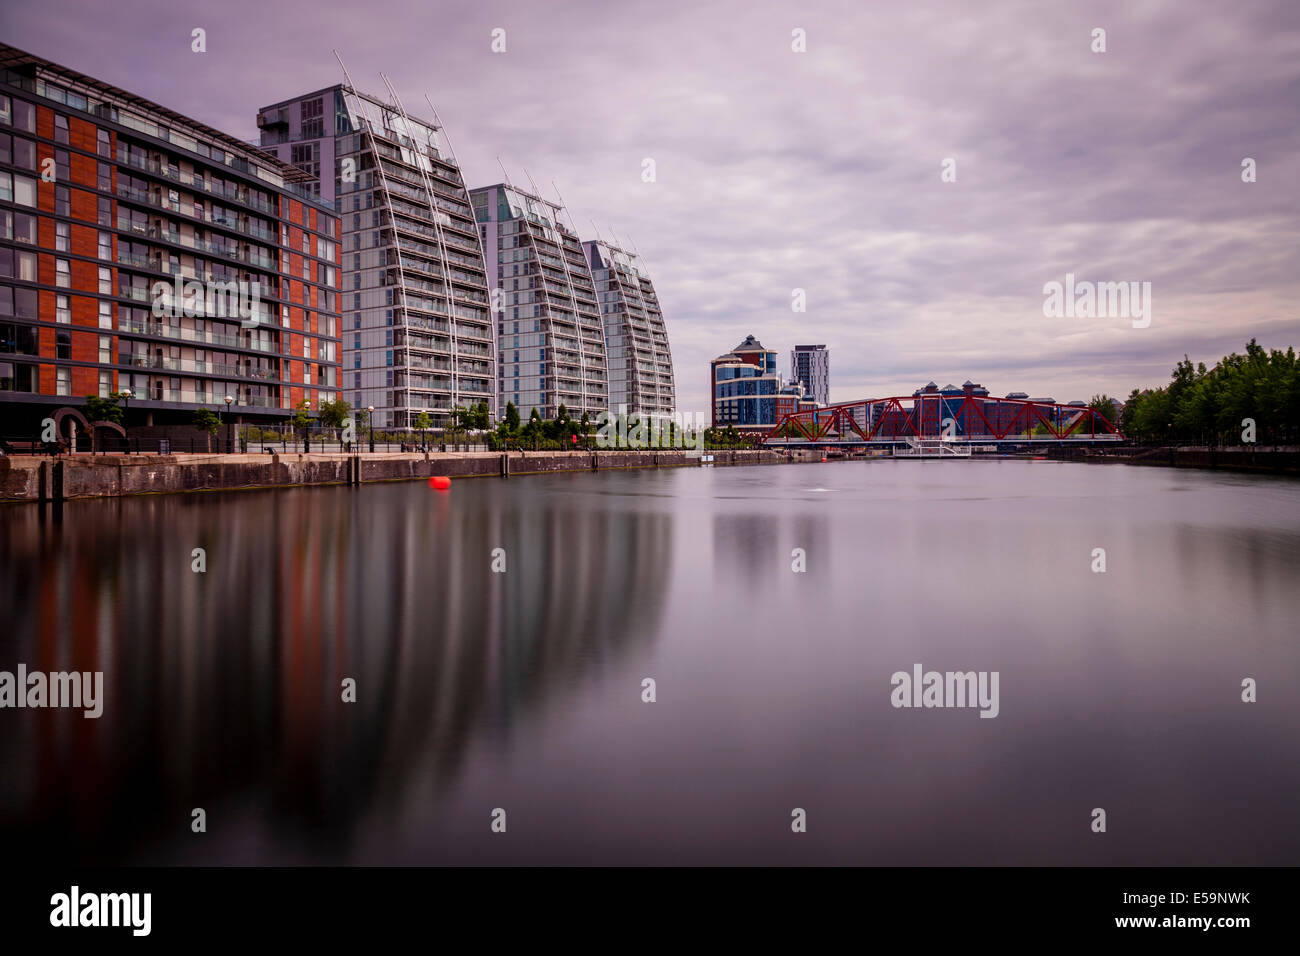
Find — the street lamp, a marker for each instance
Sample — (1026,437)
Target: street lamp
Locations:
(126,407)
(370,419)
(230,446)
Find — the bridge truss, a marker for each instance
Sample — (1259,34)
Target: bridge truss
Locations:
(961,418)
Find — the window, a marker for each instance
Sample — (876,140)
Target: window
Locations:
(105,211)
(105,314)
(23,303)
(105,383)
(62,273)
(105,245)
(25,265)
(62,170)
(313,119)
(61,236)
(6,112)
(62,201)
(18,189)
(60,128)
(24,227)
(24,116)
(62,382)
(105,147)
(18,339)
(105,177)
(61,311)
(63,346)
(106,350)
(105,281)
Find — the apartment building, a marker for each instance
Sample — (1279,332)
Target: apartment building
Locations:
(550,338)
(417,335)
(636,340)
(142,251)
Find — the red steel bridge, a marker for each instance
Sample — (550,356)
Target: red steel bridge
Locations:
(958,418)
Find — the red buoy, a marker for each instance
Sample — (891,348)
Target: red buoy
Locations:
(441,482)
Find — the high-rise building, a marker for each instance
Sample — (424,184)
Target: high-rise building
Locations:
(745,383)
(810,366)
(417,329)
(110,204)
(636,341)
(550,342)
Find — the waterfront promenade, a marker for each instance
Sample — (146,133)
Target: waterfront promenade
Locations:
(37,478)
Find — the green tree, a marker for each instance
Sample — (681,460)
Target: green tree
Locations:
(422,424)
(103,409)
(333,414)
(512,418)
(533,430)
(206,421)
(301,418)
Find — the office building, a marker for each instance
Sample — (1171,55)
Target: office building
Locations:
(744,385)
(810,366)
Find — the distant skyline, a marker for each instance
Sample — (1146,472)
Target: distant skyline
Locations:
(820,171)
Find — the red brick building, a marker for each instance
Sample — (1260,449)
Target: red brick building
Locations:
(107,200)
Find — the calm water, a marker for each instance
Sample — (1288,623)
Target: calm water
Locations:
(522,690)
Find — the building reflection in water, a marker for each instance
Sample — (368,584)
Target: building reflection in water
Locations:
(223,688)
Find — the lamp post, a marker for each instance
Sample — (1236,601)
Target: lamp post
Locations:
(230,447)
(126,424)
(370,420)
(306,435)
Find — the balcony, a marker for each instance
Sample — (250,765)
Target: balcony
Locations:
(194,367)
(197,338)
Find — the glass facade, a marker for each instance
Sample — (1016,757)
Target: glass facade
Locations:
(745,384)
(163,256)
(636,340)
(551,343)
(418,330)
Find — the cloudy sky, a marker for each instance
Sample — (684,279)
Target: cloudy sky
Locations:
(778,170)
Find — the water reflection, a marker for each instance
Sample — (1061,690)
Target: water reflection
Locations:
(223,687)
(521,690)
